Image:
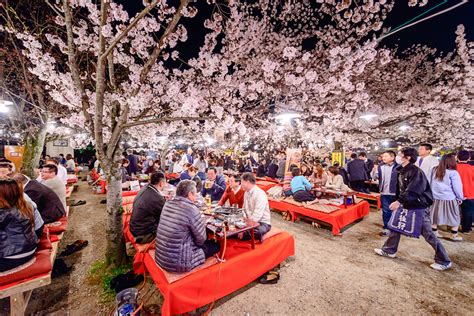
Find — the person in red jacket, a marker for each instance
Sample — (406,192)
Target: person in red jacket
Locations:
(466,172)
(233,193)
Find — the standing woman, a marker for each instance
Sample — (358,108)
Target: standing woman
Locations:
(447,191)
(17,237)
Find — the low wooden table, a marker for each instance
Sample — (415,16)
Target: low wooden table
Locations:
(345,195)
(251,225)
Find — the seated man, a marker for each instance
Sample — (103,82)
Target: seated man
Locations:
(147,208)
(5,168)
(181,241)
(49,175)
(48,203)
(234,193)
(214,185)
(62,172)
(256,207)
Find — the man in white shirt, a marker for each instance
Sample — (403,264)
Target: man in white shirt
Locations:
(62,172)
(256,207)
(425,161)
(50,179)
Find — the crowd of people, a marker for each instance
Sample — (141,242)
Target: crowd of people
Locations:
(26,205)
(437,192)
(410,179)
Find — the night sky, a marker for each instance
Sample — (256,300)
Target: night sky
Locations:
(437,32)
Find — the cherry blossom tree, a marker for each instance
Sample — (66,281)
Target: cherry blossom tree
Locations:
(321,59)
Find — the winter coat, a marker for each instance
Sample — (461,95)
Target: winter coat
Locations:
(180,236)
(357,170)
(413,191)
(49,205)
(16,233)
(217,189)
(146,211)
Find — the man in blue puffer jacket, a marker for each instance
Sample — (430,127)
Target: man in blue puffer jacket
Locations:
(181,241)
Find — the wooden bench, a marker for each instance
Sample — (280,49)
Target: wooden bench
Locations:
(20,290)
(185,292)
(373,196)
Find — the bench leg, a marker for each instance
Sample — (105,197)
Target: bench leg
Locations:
(19,302)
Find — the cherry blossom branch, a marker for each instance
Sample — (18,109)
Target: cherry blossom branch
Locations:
(129,27)
(100,81)
(166,119)
(117,131)
(71,53)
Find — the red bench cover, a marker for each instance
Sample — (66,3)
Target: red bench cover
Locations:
(266,185)
(57,227)
(40,267)
(242,266)
(338,219)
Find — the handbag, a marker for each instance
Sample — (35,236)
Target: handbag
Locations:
(407,222)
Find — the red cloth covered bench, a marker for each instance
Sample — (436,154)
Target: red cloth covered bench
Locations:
(188,291)
(338,219)
(19,283)
(371,197)
(266,185)
(58,227)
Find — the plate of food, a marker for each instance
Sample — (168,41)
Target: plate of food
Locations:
(240,225)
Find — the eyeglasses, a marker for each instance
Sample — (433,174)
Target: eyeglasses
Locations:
(7,180)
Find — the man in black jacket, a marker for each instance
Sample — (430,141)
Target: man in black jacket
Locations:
(414,193)
(369,163)
(49,205)
(147,208)
(357,170)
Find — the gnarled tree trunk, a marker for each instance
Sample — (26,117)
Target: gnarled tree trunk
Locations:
(33,148)
(115,254)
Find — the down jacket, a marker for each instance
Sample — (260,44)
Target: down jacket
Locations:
(180,236)
(16,233)
(414,190)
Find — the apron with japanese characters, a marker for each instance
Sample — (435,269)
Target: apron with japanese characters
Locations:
(407,222)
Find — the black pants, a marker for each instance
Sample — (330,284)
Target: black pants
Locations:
(258,232)
(467,214)
(8,264)
(359,185)
(39,231)
(303,196)
(145,239)
(210,248)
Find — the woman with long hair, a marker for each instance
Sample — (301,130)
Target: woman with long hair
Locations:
(335,180)
(319,176)
(447,191)
(17,236)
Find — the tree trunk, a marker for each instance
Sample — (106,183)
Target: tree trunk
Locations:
(33,148)
(115,255)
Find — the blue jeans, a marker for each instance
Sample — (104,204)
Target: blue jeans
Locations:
(441,256)
(386,200)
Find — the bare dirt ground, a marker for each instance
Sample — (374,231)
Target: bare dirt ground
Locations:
(328,275)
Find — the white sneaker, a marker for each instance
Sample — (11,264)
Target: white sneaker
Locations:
(382,253)
(456,237)
(441,267)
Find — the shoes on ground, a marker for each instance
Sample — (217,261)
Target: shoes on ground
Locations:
(456,237)
(382,253)
(467,233)
(441,267)
(271,277)
(74,247)
(60,267)
(437,234)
